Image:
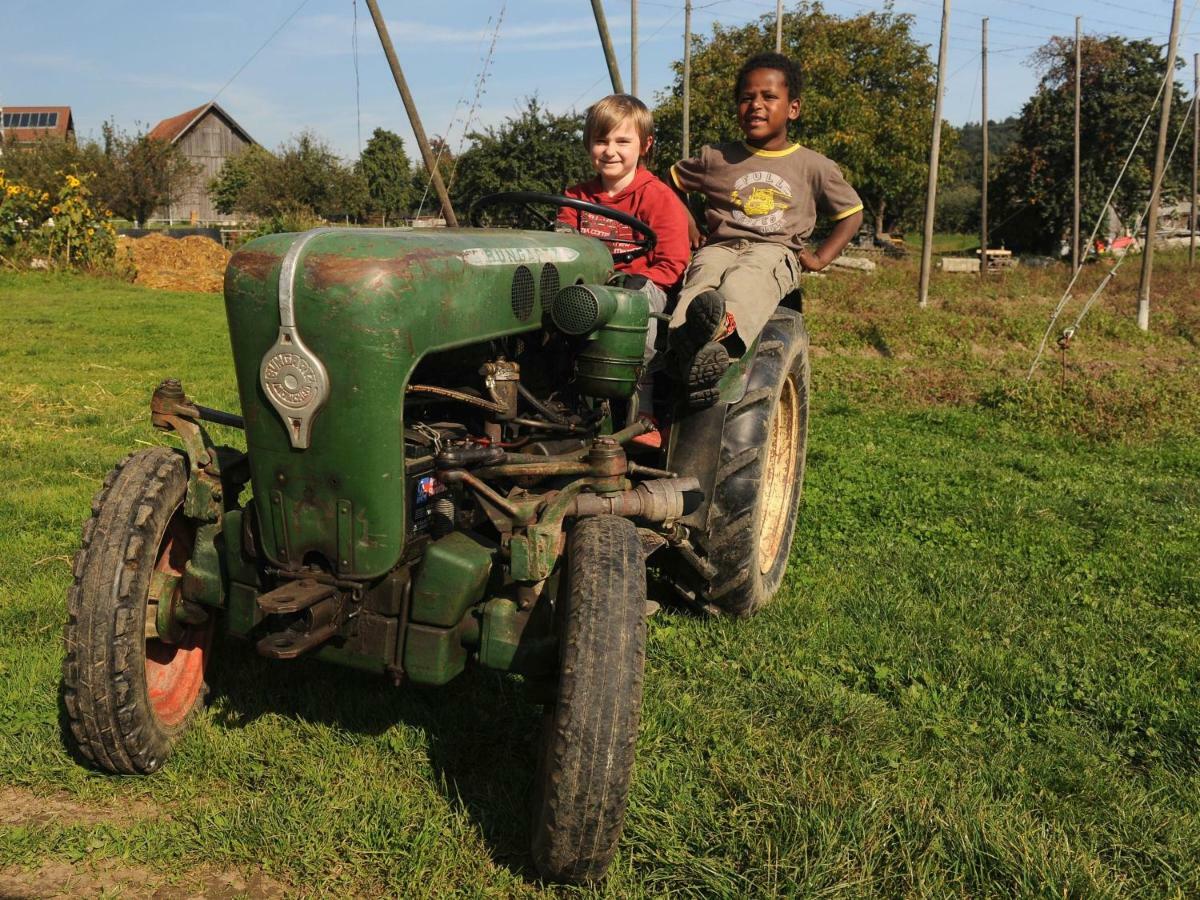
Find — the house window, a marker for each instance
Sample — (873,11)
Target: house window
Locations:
(52,120)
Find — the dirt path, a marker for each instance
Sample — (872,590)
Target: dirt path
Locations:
(109,877)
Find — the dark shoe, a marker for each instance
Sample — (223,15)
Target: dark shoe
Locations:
(709,364)
(704,323)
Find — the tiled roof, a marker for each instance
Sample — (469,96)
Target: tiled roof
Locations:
(172,129)
(63,127)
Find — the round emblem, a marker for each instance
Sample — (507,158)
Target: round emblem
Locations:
(290,379)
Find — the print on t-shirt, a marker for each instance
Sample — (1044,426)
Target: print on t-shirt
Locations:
(757,199)
(603,227)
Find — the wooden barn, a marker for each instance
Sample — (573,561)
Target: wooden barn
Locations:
(207,136)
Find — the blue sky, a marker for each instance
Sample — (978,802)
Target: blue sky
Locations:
(138,62)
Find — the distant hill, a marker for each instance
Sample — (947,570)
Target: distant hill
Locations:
(1001,136)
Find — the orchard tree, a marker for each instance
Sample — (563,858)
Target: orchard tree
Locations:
(533,151)
(38,165)
(143,173)
(388,174)
(1119,82)
(867,100)
(304,177)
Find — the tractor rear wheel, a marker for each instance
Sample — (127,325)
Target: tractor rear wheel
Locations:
(590,732)
(757,491)
(129,696)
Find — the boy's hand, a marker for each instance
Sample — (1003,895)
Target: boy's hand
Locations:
(832,246)
(695,238)
(809,261)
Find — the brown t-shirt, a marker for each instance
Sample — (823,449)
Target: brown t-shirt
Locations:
(765,195)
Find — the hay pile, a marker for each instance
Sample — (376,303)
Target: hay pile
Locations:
(192,263)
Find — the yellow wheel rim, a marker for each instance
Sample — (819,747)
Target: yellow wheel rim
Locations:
(779,475)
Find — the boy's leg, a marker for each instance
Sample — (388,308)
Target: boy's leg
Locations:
(704,273)
(762,276)
(658,303)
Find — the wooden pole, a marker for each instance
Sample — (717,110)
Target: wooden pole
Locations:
(633,72)
(778,26)
(983,193)
(934,152)
(1076,260)
(687,76)
(610,55)
(1164,116)
(414,119)
(1195,146)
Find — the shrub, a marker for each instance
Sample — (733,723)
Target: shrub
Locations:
(66,228)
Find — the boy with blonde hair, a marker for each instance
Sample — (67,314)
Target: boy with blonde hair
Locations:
(619,136)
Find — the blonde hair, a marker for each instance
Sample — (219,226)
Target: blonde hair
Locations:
(605,115)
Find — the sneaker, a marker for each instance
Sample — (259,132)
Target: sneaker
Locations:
(707,367)
(705,323)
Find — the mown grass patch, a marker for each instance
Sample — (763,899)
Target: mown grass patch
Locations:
(979,677)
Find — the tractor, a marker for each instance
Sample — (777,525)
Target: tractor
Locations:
(440,472)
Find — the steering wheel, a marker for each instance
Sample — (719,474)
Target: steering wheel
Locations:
(644,239)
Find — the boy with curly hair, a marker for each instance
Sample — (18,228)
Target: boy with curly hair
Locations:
(764,195)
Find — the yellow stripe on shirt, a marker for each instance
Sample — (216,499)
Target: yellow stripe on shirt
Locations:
(772,153)
(675,179)
(846,213)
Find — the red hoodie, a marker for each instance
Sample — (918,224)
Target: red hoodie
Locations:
(654,203)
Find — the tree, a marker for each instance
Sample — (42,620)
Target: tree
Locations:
(533,151)
(304,177)
(144,173)
(42,164)
(867,101)
(388,174)
(1119,83)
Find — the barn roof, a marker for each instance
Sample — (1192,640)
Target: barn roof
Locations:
(174,128)
(63,125)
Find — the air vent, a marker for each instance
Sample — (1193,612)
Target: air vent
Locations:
(576,310)
(549,283)
(522,293)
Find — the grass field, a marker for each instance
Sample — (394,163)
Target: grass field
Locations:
(981,677)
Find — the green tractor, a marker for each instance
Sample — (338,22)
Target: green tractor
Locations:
(440,471)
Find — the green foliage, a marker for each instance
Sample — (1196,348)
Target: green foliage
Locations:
(143,173)
(388,174)
(957,208)
(533,151)
(133,174)
(303,178)
(65,226)
(233,184)
(1119,82)
(1001,136)
(867,101)
(42,164)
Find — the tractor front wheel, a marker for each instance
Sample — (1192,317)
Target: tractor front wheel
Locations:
(589,734)
(129,695)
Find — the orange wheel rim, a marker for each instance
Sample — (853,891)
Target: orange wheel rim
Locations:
(175,672)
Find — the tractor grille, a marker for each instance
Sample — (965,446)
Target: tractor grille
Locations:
(522,293)
(576,310)
(549,283)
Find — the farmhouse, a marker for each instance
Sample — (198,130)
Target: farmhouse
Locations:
(26,124)
(207,136)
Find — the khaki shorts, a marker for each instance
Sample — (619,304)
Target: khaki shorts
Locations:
(752,276)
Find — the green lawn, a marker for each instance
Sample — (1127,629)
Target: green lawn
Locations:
(981,677)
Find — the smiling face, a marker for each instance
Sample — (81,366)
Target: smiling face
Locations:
(615,155)
(764,109)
